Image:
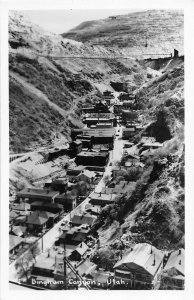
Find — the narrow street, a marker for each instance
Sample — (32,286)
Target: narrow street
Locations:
(46,241)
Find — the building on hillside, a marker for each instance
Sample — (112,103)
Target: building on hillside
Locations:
(15,244)
(118,108)
(68,200)
(23,206)
(93,209)
(87,176)
(46,265)
(40,220)
(104,125)
(60,184)
(82,220)
(172,276)
(92,158)
(84,268)
(79,252)
(130,164)
(154,145)
(129,116)
(31,194)
(131,157)
(73,173)
(76,147)
(73,237)
(102,199)
(20,231)
(139,266)
(108,93)
(128,104)
(54,208)
(126,96)
(128,132)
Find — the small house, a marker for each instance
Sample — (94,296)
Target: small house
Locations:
(15,244)
(79,252)
(87,176)
(102,199)
(173,274)
(81,220)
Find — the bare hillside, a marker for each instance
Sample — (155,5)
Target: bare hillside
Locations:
(140,33)
(55,87)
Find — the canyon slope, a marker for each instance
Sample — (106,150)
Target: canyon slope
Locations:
(140,33)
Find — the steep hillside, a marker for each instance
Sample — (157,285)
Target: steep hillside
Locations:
(151,32)
(45,91)
(153,211)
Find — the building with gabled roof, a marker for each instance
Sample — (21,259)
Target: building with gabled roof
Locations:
(80,220)
(86,176)
(15,243)
(79,251)
(32,194)
(173,274)
(19,230)
(139,266)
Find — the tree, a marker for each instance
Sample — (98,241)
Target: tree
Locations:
(106,179)
(23,265)
(35,251)
(105,258)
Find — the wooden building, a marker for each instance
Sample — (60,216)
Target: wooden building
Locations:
(92,158)
(172,276)
(139,266)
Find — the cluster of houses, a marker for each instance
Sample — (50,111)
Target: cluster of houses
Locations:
(146,267)
(142,266)
(34,211)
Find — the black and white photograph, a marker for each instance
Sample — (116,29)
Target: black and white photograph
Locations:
(96,149)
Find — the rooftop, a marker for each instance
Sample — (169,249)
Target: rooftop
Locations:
(82,220)
(27,192)
(14,241)
(105,197)
(82,248)
(92,154)
(177,261)
(143,255)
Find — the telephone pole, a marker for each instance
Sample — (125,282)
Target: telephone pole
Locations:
(65,269)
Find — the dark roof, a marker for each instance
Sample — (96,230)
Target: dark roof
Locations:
(79,220)
(59,181)
(66,197)
(79,236)
(29,192)
(37,218)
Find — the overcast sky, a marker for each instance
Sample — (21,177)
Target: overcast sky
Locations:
(59,21)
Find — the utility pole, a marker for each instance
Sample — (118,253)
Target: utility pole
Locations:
(65,269)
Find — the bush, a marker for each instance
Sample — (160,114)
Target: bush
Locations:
(105,258)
